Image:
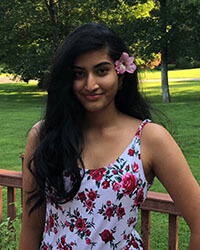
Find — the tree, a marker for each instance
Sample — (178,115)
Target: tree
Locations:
(31,31)
(173,29)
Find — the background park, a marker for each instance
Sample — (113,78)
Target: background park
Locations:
(163,35)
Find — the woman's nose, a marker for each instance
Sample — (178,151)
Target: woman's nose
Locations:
(91,82)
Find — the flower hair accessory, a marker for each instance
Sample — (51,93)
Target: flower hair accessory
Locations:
(125,63)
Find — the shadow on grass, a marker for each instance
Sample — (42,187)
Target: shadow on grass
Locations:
(31,94)
(179,92)
(21,93)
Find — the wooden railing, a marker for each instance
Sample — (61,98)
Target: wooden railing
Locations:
(157,202)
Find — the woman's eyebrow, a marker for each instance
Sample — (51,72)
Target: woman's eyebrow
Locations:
(102,63)
(96,66)
(77,67)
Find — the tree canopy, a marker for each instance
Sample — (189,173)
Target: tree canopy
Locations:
(31,30)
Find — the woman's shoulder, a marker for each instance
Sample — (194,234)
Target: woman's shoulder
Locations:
(37,126)
(156,134)
(33,135)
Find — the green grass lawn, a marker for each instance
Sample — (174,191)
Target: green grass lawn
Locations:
(22,105)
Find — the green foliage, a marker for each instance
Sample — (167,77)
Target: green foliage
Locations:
(186,62)
(10,232)
(31,31)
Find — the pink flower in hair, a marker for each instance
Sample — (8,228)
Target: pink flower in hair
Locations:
(125,63)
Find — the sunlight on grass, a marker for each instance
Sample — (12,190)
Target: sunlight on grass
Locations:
(184,73)
(6,74)
(24,93)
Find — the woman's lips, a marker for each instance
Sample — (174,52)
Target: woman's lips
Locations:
(93,97)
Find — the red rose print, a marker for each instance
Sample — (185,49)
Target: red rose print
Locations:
(126,248)
(108,203)
(66,248)
(88,241)
(106,236)
(72,243)
(135,167)
(80,224)
(135,244)
(82,196)
(60,246)
(97,174)
(92,195)
(131,152)
(45,247)
(66,223)
(138,134)
(114,171)
(116,186)
(131,221)
(88,232)
(127,167)
(55,231)
(58,207)
(109,212)
(140,197)
(120,212)
(129,183)
(62,239)
(106,184)
(71,228)
(52,223)
(89,204)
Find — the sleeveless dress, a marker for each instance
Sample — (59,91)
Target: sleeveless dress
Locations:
(104,212)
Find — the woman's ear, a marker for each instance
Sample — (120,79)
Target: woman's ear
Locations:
(120,82)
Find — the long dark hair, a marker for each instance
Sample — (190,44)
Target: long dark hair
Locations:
(60,135)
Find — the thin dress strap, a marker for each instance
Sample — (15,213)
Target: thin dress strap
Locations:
(138,133)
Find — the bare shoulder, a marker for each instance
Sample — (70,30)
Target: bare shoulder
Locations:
(37,126)
(156,134)
(33,139)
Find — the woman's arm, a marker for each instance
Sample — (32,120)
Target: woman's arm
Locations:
(169,165)
(32,225)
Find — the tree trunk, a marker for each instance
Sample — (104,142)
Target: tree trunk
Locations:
(164,77)
(164,46)
(50,4)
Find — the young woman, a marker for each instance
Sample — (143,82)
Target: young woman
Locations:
(88,165)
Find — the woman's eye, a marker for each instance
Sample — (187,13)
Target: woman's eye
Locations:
(78,74)
(102,71)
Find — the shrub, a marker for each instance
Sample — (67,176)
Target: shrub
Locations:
(187,62)
(10,232)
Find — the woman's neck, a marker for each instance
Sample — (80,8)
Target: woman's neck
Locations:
(102,119)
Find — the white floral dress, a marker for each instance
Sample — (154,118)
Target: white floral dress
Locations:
(104,212)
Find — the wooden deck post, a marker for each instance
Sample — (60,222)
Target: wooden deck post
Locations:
(1,205)
(145,228)
(11,198)
(173,232)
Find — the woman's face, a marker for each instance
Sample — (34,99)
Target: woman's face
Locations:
(95,80)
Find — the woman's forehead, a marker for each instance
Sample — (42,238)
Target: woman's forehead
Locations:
(93,58)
